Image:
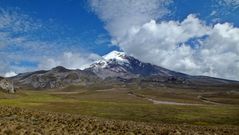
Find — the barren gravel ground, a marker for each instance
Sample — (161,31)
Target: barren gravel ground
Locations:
(15,120)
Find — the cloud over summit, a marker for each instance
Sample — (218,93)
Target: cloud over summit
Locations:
(189,46)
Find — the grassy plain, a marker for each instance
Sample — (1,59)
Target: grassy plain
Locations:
(119,104)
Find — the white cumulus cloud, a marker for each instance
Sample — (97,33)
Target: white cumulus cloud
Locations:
(214,52)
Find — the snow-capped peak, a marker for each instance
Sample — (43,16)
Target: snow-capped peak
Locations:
(115,55)
(111,58)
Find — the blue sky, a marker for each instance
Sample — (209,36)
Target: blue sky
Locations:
(67,19)
(41,34)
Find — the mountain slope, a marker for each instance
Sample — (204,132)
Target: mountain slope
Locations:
(115,67)
(117,64)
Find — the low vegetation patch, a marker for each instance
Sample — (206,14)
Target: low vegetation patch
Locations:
(15,120)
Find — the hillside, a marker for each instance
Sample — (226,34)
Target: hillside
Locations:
(57,77)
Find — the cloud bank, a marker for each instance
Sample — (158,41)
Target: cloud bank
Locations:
(189,46)
(10,74)
(69,60)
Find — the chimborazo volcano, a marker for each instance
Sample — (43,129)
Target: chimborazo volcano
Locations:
(115,67)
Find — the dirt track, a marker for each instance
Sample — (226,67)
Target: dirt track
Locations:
(162,102)
(21,121)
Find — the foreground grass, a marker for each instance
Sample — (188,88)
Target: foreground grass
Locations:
(23,121)
(122,107)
